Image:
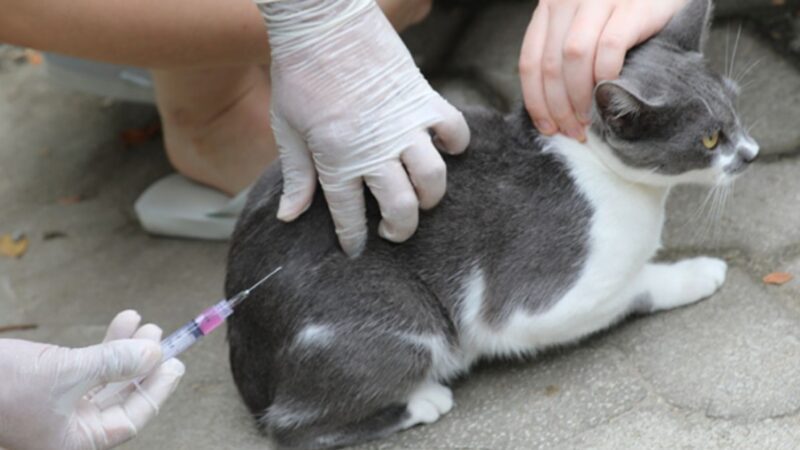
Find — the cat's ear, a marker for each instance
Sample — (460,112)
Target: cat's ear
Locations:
(621,109)
(689,28)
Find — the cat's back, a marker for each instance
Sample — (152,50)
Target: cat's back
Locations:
(500,186)
(511,210)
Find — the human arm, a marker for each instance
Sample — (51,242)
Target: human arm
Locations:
(147,33)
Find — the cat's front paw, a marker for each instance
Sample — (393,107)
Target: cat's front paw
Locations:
(701,277)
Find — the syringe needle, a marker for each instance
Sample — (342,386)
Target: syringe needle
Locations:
(265,279)
(238,298)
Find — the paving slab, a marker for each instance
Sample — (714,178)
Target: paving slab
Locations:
(659,427)
(725,357)
(531,405)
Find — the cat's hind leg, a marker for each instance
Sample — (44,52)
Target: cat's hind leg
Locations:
(427,403)
(670,285)
(346,386)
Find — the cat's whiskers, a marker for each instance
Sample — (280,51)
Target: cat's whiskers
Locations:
(754,124)
(703,214)
(725,196)
(727,47)
(735,49)
(711,212)
(739,78)
(699,214)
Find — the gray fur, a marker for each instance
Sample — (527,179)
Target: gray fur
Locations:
(511,209)
(642,304)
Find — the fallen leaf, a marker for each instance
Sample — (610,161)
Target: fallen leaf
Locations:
(136,136)
(70,200)
(34,58)
(551,390)
(778,278)
(13,246)
(23,327)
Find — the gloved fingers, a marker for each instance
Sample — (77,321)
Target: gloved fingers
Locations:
(297,166)
(119,360)
(347,205)
(121,422)
(149,332)
(397,200)
(451,134)
(123,326)
(428,173)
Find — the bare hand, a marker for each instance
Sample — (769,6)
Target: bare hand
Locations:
(571,45)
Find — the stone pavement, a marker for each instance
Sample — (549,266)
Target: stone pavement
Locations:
(717,375)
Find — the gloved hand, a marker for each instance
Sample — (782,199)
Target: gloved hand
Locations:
(43,388)
(571,45)
(350,106)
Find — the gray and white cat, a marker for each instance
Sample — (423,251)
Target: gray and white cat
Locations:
(539,241)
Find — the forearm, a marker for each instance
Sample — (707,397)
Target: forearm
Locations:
(147,33)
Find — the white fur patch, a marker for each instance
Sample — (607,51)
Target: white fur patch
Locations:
(314,335)
(445,363)
(477,337)
(625,233)
(280,416)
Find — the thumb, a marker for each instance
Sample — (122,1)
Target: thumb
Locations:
(119,360)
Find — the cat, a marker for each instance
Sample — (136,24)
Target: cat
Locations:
(539,241)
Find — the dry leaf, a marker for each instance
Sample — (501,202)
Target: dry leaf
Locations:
(13,247)
(34,58)
(551,390)
(778,278)
(70,200)
(136,136)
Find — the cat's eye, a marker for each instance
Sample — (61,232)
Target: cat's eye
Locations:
(711,141)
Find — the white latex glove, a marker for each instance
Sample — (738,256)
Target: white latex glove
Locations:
(42,389)
(350,106)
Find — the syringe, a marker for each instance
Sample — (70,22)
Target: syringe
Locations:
(179,341)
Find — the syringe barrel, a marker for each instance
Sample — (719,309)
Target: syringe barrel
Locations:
(209,320)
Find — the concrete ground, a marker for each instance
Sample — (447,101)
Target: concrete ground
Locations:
(718,375)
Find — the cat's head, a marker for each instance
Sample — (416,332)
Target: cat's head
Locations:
(669,118)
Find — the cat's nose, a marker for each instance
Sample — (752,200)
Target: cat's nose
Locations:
(749,157)
(748,150)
